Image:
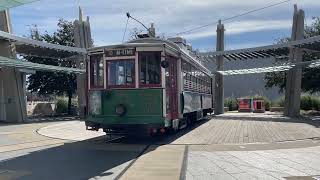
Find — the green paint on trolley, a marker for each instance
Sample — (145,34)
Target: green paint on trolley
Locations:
(143,106)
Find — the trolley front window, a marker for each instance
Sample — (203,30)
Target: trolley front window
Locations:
(96,71)
(150,68)
(121,73)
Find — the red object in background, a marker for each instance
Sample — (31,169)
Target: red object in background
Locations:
(245,105)
(250,105)
(258,106)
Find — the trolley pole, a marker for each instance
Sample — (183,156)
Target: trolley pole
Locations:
(218,86)
(294,76)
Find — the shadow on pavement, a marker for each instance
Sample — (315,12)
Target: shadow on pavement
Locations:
(85,159)
(95,157)
(72,161)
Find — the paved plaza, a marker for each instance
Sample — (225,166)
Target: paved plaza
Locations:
(244,128)
(262,164)
(231,146)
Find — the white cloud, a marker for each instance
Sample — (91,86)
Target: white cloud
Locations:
(170,16)
(244,27)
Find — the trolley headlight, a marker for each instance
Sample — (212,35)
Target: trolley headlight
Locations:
(95,102)
(120,109)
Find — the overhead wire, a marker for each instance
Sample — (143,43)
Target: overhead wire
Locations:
(125,30)
(232,17)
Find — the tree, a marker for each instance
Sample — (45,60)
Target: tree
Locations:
(134,33)
(310,76)
(48,83)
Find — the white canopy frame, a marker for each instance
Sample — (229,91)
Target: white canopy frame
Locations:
(21,64)
(284,67)
(28,46)
(310,45)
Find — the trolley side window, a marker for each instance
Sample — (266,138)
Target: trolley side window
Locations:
(150,74)
(121,73)
(195,80)
(96,71)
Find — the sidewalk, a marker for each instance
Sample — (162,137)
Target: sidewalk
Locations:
(247,165)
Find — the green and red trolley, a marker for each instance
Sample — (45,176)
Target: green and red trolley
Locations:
(147,85)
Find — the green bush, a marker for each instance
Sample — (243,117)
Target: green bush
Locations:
(316,104)
(61,106)
(279,102)
(74,103)
(308,102)
(231,103)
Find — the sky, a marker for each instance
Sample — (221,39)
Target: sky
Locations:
(108,19)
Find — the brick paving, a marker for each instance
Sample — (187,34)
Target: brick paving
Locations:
(246,165)
(244,128)
(231,146)
(253,146)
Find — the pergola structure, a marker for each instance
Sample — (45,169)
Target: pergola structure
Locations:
(292,51)
(13,71)
(309,45)
(6,4)
(25,46)
(278,68)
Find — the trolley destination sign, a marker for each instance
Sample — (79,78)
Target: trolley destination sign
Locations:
(120,52)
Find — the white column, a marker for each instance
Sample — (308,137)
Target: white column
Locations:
(12,79)
(2,105)
(219,91)
(294,76)
(82,38)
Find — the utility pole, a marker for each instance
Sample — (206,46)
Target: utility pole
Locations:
(218,86)
(294,76)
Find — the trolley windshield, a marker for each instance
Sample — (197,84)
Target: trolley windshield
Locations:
(121,73)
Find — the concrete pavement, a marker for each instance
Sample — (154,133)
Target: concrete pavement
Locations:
(272,147)
(267,164)
(158,163)
(24,154)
